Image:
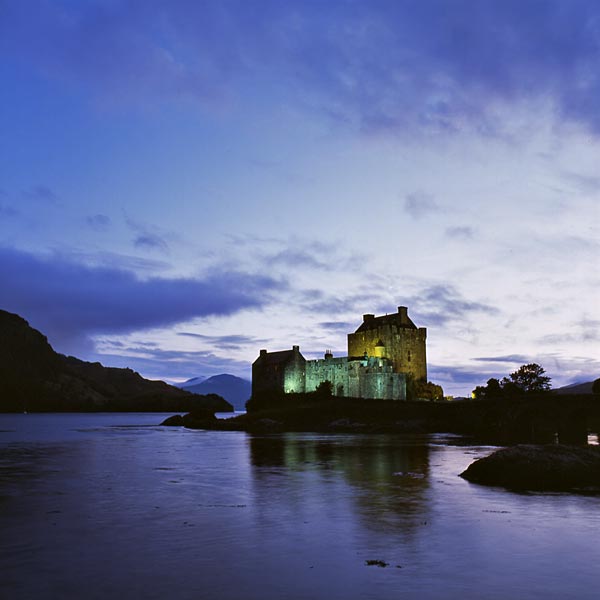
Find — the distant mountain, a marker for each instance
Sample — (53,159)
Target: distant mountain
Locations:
(575,388)
(33,377)
(234,389)
(190,382)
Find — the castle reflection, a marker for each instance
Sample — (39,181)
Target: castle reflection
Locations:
(383,478)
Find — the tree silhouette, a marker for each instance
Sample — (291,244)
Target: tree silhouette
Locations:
(529,379)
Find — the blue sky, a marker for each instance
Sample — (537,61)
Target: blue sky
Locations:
(183,183)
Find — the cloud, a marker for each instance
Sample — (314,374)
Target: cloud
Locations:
(151,241)
(42,194)
(172,364)
(298,258)
(519,359)
(589,184)
(300,253)
(584,330)
(340,327)
(463,233)
(99,222)
(441,303)
(115,260)
(420,204)
(315,301)
(378,66)
(224,342)
(147,237)
(8,211)
(71,301)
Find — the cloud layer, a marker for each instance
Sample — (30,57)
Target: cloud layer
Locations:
(382,65)
(69,300)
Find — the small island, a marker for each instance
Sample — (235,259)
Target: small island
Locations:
(546,468)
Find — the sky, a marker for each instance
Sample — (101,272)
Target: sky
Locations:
(184,182)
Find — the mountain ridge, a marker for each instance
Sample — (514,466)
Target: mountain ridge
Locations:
(235,390)
(35,378)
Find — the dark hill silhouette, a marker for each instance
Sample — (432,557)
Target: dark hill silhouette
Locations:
(33,377)
(234,389)
(575,388)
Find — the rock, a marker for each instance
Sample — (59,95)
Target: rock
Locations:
(376,563)
(551,467)
(199,419)
(174,420)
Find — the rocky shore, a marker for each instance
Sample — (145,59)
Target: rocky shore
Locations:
(547,467)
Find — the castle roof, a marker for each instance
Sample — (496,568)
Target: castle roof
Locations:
(276,358)
(399,319)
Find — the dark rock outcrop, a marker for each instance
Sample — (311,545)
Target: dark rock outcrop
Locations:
(198,418)
(551,467)
(33,377)
(174,421)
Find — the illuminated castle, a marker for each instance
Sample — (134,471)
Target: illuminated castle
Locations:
(381,353)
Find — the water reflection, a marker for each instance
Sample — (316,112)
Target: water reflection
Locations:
(388,477)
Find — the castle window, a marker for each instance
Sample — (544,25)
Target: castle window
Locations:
(409,356)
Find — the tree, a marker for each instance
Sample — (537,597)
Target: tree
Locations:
(324,389)
(419,389)
(529,379)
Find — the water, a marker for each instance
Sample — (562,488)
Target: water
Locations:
(112,505)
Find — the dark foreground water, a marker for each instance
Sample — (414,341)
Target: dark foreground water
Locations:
(113,506)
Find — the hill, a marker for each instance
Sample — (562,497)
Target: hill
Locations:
(234,389)
(190,382)
(33,377)
(575,388)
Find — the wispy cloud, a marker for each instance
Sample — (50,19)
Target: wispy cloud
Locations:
(439,304)
(42,194)
(460,232)
(99,222)
(224,342)
(509,359)
(340,327)
(420,204)
(298,258)
(147,237)
(586,183)
(8,211)
(151,241)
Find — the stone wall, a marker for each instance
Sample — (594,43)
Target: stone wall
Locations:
(295,374)
(375,379)
(334,370)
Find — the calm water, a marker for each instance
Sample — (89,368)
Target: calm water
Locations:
(112,505)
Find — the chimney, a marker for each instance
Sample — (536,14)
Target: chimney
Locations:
(403,312)
(368,318)
(296,348)
(263,352)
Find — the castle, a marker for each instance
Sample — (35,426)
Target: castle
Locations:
(381,353)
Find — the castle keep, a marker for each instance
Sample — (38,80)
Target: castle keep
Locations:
(381,353)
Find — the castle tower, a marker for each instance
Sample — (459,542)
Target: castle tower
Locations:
(394,337)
